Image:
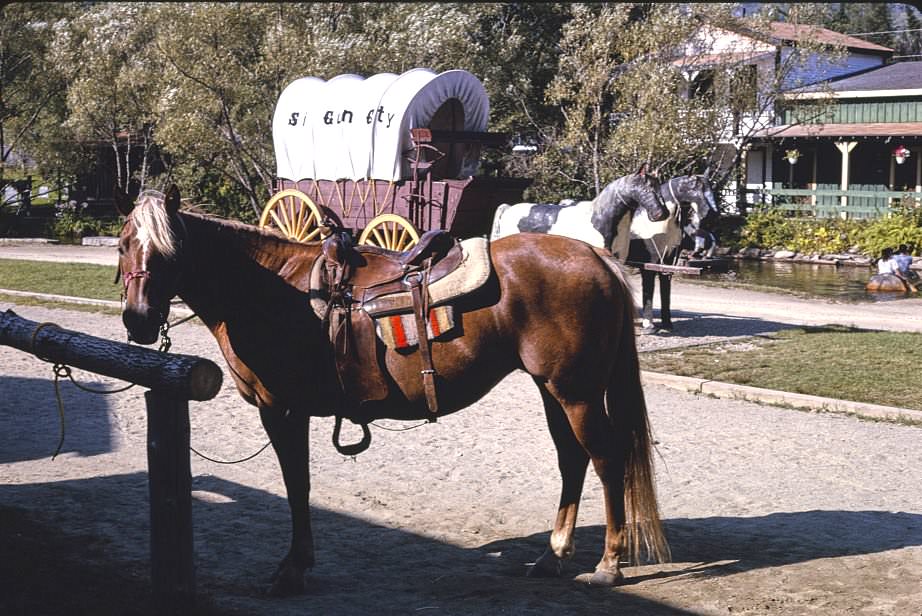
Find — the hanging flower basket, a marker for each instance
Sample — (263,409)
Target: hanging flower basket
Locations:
(901,153)
(792,155)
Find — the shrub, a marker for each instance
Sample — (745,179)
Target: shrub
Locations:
(69,225)
(902,227)
(772,228)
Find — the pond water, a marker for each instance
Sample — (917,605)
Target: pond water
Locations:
(844,283)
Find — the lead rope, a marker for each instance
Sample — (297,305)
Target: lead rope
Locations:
(165,344)
(61,370)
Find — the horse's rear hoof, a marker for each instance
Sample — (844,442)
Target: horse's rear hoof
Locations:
(606,578)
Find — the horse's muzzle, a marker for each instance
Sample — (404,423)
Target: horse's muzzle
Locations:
(143,326)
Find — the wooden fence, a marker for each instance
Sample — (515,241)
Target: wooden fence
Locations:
(827,203)
(173,380)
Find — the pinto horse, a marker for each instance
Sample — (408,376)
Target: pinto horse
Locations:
(554,307)
(603,222)
(691,205)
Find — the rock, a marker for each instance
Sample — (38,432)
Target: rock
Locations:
(785,254)
(99,241)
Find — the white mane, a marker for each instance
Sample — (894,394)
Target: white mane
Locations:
(152,225)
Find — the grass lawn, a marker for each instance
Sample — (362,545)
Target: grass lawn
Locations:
(75,279)
(833,362)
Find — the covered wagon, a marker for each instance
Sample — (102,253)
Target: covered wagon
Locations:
(386,157)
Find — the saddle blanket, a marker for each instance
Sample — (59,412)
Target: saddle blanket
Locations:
(398,331)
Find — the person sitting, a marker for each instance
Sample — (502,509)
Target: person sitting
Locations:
(705,243)
(886,264)
(904,262)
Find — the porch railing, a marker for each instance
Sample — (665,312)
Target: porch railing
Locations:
(826,203)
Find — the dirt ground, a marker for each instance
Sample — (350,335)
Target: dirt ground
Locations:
(768,510)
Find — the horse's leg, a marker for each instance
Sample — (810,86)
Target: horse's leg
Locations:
(665,293)
(648,284)
(593,430)
(572,461)
(289,436)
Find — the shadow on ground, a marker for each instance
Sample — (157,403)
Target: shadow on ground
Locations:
(30,423)
(85,542)
(751,543)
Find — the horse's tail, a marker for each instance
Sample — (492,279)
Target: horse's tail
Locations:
(494,234)
(627,411)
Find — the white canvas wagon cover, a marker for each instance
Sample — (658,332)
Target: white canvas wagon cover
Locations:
(355,128)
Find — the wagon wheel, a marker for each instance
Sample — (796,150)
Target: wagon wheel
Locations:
(390,231)
(295,215)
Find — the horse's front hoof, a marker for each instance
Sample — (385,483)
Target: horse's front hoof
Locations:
(286,581)
(287,585)
(549,565)
(606,578)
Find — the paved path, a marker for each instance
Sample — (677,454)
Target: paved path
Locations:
(101,255)
(690,300)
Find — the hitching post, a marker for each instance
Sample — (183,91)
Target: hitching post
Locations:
(173,380)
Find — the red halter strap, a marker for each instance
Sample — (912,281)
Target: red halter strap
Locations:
(129,276)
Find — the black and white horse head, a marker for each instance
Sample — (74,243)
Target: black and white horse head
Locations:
(694,201)
(602,222)
(691,206)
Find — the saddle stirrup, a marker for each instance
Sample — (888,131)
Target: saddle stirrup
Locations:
(420,291)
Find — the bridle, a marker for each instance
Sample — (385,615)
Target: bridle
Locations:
(144,274)
(129,276)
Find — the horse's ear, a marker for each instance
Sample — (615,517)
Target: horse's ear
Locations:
(123,203)
(171,201)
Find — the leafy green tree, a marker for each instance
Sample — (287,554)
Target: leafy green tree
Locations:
(111,98)
(910,43)
(32,85)
(630,88)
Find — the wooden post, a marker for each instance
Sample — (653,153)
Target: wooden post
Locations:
(918,152)
(186,376)
(170,481)
(845,147)
(173,381)
(813,178)
(892,182)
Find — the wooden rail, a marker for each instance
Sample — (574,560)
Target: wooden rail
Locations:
(173,380)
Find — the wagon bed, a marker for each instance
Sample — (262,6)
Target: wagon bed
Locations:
(428,184)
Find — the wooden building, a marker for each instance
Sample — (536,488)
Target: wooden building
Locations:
(861,156)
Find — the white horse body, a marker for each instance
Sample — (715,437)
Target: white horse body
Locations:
(573,220)
(665,234)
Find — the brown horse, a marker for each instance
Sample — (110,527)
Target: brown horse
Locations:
(553,307)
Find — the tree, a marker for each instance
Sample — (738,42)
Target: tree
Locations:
(32,85)
(910,44)
(111,99)
(649,85)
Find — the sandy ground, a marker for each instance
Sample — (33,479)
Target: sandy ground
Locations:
(768,510)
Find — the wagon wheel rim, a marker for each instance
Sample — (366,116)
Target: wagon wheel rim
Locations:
(390,231)
(295,215)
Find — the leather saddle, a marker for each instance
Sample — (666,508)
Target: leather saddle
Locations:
(350,284)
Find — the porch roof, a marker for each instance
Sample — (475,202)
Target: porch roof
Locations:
(864,129)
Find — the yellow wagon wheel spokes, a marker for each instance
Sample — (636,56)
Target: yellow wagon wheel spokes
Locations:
(294,214)
(390,231)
